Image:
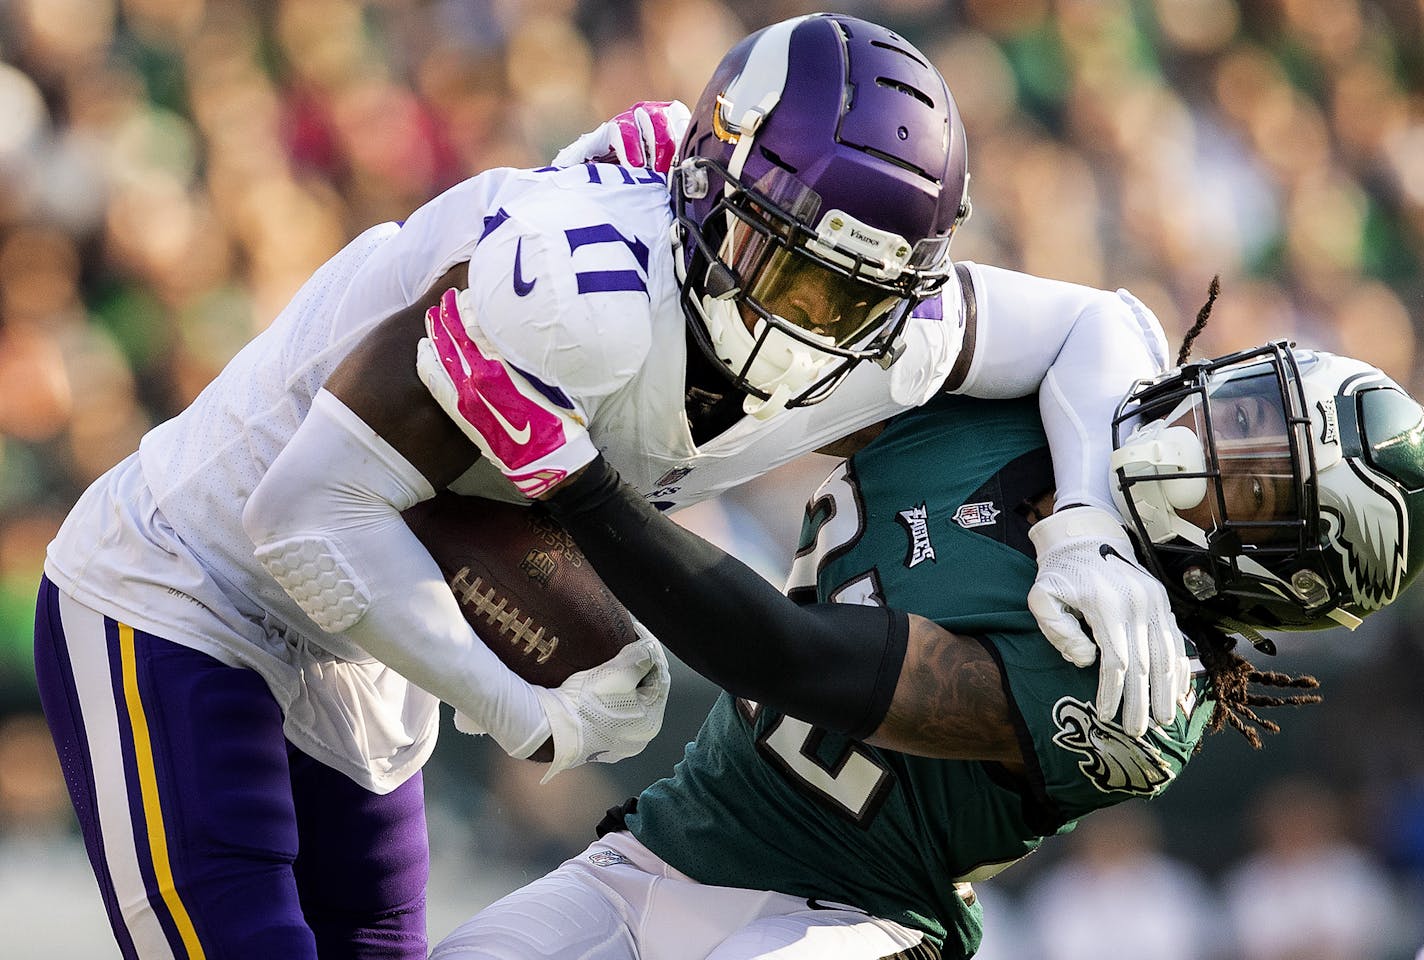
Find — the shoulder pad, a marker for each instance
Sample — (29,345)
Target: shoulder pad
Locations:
(563,294)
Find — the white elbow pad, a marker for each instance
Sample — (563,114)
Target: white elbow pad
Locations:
(315,574)
(296,530)
(326,524)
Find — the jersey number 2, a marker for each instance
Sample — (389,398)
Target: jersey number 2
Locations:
(854,782)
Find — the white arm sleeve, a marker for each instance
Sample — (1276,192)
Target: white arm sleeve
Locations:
(326,522)
(1081,349)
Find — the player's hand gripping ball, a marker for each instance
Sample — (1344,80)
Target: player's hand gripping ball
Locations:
(523,585)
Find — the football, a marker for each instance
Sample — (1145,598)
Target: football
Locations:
(523,584)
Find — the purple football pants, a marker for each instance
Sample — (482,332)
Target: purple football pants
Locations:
(210,835)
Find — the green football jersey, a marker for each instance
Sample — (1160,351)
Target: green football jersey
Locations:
(926,519)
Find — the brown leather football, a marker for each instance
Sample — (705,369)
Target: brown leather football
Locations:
(523,584)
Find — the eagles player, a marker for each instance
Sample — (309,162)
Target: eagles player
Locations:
(1272,489)
(241,647)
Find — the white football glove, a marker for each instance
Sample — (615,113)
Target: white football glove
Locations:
(647,134)
(535,437)
(609,712)
(1087,568)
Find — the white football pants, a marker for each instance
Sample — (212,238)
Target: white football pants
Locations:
(618,901)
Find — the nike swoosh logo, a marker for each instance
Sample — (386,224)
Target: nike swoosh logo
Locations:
(519,435)
(521,288)
(1107,549)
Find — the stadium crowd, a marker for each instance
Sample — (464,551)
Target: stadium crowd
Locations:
(171,171)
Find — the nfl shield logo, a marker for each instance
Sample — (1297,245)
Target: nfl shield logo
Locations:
(607,858)
(673,476)
(975,514)
(538,565)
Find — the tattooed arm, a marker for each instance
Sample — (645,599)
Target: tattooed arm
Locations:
(888,678)
(949,701)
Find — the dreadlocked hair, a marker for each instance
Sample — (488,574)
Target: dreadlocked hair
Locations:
(1232,677)
(1199,325)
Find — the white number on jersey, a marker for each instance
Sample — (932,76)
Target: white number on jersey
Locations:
(853,782)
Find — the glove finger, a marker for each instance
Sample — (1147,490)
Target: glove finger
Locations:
(657,675)
(1183,681)
(655,648)
(1061,628)
(447,328)
(658,142)
(627,139)
(1136,688)
(441,340)
(624,672)
(576,152)
(1167,673)
(642,652)
(1112,672)
(435,373)
(678,117)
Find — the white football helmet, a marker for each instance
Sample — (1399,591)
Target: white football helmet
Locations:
(1277,488)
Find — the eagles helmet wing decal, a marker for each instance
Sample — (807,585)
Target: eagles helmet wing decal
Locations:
(1372,537)
(1369,538)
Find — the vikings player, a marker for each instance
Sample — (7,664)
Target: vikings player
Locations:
(241,647)
(1276,488)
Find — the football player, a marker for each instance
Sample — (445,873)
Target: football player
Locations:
(1274,489)
(241,647)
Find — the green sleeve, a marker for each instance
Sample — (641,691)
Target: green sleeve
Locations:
(1077,761)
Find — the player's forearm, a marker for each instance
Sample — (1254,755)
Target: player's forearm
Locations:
(831,665)
(950,701)
(325,520)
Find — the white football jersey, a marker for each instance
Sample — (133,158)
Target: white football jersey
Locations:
(572,276)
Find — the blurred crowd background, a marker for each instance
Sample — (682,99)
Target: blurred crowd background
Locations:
(171,170)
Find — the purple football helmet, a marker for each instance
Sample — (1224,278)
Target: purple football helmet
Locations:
(821,178)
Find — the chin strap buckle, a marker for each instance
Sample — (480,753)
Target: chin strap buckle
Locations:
(887,359)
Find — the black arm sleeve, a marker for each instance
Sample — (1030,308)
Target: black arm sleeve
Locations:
(832,665)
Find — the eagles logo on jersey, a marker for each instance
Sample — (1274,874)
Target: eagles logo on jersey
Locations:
(917,525)
(1112,761)
(1276,487)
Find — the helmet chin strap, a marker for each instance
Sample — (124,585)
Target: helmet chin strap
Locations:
(770,407)
(780,366)
(798,375)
